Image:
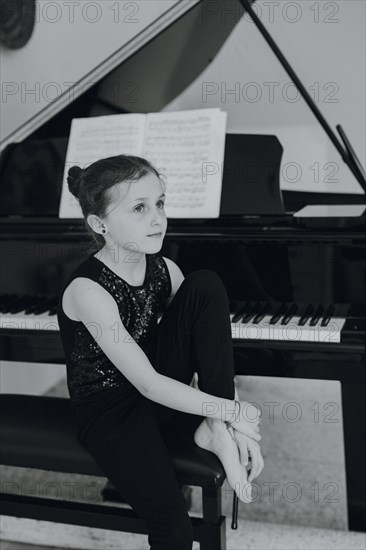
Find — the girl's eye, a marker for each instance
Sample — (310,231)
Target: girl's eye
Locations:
(162,203)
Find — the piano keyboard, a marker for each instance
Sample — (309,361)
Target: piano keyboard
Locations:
(290,332)
(249,321)
(28,312)
(288,322)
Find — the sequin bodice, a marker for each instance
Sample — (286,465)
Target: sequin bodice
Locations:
(88,368)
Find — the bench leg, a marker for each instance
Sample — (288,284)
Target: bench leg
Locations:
(212,531)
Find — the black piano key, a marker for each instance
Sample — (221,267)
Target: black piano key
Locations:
(317,315)
(262,313)
(291,312)
(41,304)
(6,300)
(45,306)
(253,310)
(239,313)
(247,310)
(19,304)
(308,312)
(35,303)
(41,307)
(328,314)
(30,304)
(281,310)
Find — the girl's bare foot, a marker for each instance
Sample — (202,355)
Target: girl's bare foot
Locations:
(214,436)
(241,441)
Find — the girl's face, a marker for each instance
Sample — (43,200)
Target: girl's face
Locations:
(133,216)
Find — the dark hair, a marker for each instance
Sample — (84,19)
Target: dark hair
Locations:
(90,185)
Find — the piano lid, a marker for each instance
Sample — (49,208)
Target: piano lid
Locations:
(151,51)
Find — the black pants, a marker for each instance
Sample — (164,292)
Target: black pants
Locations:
(128,434)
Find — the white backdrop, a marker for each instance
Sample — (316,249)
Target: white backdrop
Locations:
(73,45)
(325,44)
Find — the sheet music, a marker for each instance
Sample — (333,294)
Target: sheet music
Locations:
(188,149)
(94,138)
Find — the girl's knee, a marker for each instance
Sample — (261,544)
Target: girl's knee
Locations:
(206,280)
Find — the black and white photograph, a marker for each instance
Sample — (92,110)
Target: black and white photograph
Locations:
(183,275)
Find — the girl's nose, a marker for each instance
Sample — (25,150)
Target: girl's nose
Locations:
(158,216)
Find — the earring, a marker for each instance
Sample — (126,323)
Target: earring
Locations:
(104,231)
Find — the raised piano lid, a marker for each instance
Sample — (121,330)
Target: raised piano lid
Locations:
(167,42)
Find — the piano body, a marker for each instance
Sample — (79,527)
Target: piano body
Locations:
(296,285)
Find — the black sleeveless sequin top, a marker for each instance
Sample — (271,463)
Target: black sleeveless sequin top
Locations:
(88,368)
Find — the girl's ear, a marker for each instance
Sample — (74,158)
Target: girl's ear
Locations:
(95,223)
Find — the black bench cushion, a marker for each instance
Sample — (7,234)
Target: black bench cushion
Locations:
(39,432)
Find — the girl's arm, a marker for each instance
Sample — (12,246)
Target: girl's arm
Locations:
(179,396)
(96,308)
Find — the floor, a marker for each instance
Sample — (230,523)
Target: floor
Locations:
(299,499)
(251,535)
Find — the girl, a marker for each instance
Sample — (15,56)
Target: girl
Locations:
(128,375)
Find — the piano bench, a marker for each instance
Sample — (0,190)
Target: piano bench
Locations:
(39,432)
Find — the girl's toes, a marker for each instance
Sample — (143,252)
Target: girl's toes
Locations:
(243,448)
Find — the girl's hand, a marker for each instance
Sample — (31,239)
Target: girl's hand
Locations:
(248,446)
(246,420)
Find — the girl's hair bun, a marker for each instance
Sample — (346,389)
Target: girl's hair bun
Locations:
(73,179)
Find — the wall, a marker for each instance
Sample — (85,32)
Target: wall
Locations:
(73,45)
(325,44)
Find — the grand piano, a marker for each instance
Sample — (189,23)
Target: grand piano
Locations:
(296,285)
